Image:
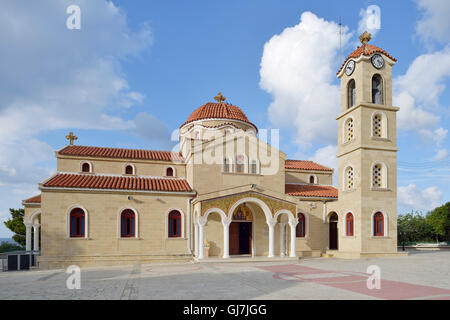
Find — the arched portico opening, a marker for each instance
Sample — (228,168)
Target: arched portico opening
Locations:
(241,227)
(32,229)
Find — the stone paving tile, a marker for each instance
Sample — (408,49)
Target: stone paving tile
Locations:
(419,276)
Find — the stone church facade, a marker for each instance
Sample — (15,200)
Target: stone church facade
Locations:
(228,192)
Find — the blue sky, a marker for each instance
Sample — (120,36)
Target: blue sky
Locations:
(137,69)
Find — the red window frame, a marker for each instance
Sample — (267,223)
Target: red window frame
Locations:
(77,223)
(378,224)
(86,167)
(174,224)
(300,230)
(349,224)
(129,169)
(169,172)
(127,223)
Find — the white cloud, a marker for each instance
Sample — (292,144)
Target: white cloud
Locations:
(327,156)
(437,136)
(158,133)
(440,155)
(54,78)
(434,24)
(416,199)
(370,20)
(417,92)
(298,68)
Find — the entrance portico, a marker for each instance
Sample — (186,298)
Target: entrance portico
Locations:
(249,223)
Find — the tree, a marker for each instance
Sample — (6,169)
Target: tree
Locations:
(6,246)
(15,224)
(439,220)
(413,227)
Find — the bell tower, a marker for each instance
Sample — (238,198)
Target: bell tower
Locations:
(367,154)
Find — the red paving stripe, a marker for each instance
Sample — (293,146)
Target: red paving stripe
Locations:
(390,290)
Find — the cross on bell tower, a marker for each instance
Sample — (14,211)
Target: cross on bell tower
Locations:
(71,137)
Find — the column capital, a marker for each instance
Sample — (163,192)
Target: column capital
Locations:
(201,221)
(271,223)
(36,225)
(293,222)
(27,224)
(226,222)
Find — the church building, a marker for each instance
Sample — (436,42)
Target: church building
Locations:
(227,192)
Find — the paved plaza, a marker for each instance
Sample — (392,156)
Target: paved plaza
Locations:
(421,275)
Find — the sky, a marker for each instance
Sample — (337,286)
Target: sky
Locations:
(135,70)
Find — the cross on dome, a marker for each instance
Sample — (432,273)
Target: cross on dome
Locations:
(219,98)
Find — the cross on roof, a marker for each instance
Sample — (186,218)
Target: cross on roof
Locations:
(71,137)
(219,98)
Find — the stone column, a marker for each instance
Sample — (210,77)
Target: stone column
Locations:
(196,239)
(293,224)
(28,236)
(282,238)
(226,239)
(201,240)
(36,237)
(324,212)
(271,225)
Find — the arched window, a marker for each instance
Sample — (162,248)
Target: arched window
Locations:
(376,125)
(77,223)
(127,223)
(174,224)
(349,224)
(379,125)
(169,172)
(129,169)
(379,176)
(378,224)
(86,167)
(240,163)
(253,167)
(349,178)
(311,179)
(377,89)
(301,226)
(349,130)
(351,93)
(226,165)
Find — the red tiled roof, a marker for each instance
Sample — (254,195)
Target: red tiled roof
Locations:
(212,110)
(366,50)
(35,199)
(305,165)
(311,191)
(88,181)
(121,153)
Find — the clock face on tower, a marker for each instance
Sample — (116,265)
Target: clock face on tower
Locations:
(350,67)
(377,61)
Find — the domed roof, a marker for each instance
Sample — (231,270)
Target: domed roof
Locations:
(365,50)
(220,110)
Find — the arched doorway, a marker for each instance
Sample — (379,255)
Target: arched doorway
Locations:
(333,231)
(241,231)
